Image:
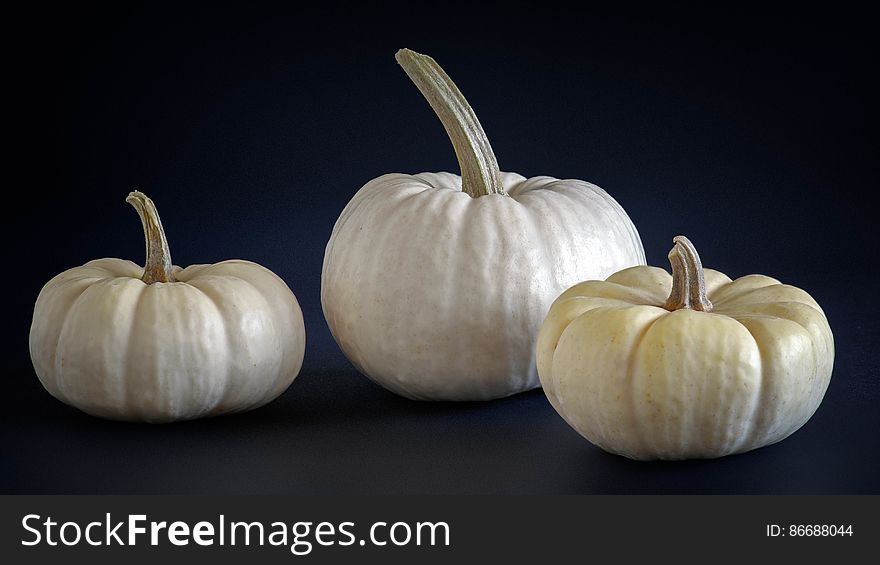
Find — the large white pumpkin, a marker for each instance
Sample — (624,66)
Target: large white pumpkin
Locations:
(163,343)
(435,285)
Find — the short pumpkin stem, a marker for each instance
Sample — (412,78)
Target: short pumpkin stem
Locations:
(480,174)
(688,284)
(158,267)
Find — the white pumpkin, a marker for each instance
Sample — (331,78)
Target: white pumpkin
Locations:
(162,343)
(435,285)
(692,365)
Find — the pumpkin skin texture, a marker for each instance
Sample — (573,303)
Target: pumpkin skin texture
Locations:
(639,380)
(437,295)
(219,338)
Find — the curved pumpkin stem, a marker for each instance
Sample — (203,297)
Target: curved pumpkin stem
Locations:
(688,283)
(158,264)
(480,174)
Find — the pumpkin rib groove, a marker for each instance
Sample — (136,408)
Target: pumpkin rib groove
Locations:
(195,283)
(631,360)
(630,382)
(71,312)
(758,402)
(126,392)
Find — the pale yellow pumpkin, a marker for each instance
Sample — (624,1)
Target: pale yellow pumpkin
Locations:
(690,365)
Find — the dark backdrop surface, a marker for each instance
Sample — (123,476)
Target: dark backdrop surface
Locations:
(252,127)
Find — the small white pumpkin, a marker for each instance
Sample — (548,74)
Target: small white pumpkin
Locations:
(162,343)
(692,365)
(435,285)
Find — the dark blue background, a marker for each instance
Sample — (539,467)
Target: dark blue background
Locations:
(251,128)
